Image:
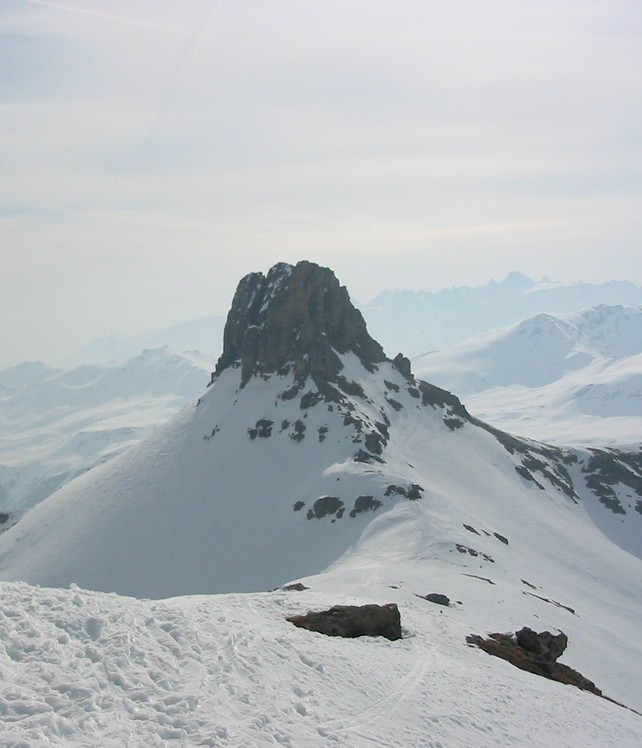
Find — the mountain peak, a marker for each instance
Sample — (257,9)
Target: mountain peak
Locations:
(517,280)
(296,318)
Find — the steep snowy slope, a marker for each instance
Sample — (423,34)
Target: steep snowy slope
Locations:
(572,379)
(312,451)
(599,404)
(55,424)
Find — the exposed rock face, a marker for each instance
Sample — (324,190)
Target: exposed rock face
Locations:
(544,645)
(606,468)
(535,653)
(351,621)
(294,318)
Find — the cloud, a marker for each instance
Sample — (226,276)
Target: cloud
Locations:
(231,135)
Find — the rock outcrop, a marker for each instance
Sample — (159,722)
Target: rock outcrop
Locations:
(535,653)
(351,621)
(437,598)
(295,318)
(545,646)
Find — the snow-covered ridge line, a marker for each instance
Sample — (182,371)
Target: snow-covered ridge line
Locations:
(55,424)
(571,379)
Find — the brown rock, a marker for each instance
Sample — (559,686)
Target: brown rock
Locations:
(353,620)
(295,318)
(519,650)
(544,645)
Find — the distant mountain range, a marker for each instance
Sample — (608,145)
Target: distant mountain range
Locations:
(417,322)
(413,322)
(55,424)
(572,379)
(204,336)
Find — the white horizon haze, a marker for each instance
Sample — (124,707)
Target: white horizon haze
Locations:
(154,153)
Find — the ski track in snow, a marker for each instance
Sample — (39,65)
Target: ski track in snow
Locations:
(86,669)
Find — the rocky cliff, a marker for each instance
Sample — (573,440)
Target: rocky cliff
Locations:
(295,318)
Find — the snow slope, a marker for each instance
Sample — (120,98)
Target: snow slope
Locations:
(202,507)
(419,321)
(55,424)
(86,669)
(570,379)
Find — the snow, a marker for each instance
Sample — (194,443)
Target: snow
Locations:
(567,379)
(85,668)
(201,507)
(55,424)
(179,501)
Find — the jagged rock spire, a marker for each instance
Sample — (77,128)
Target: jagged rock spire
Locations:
(295,318)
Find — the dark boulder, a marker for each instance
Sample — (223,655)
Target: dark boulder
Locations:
(436,597)
(544,645)
(365,504)
(351,621)
(325,506)
(535,653)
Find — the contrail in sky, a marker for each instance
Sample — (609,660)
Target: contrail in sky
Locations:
(199,31)
(99,14)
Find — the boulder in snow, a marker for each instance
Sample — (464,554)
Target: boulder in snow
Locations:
(351,621)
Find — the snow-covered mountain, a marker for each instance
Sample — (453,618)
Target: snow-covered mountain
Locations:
(55,424)
(417,322)
(68,445)
(200,335)
(313,457)
(571,379)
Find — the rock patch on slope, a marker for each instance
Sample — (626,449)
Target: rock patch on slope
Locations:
(351,621)
(536,653)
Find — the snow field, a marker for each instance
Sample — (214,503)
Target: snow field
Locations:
(566,379)
(86,669)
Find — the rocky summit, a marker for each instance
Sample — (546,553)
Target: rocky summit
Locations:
(296,318)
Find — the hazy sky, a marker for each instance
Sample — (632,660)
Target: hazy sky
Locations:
(155,151)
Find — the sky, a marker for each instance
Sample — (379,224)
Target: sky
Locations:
(154,152)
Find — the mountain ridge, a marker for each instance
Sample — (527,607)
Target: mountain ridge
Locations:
(380,487)
(422,321)
(572,378)
(324,415)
